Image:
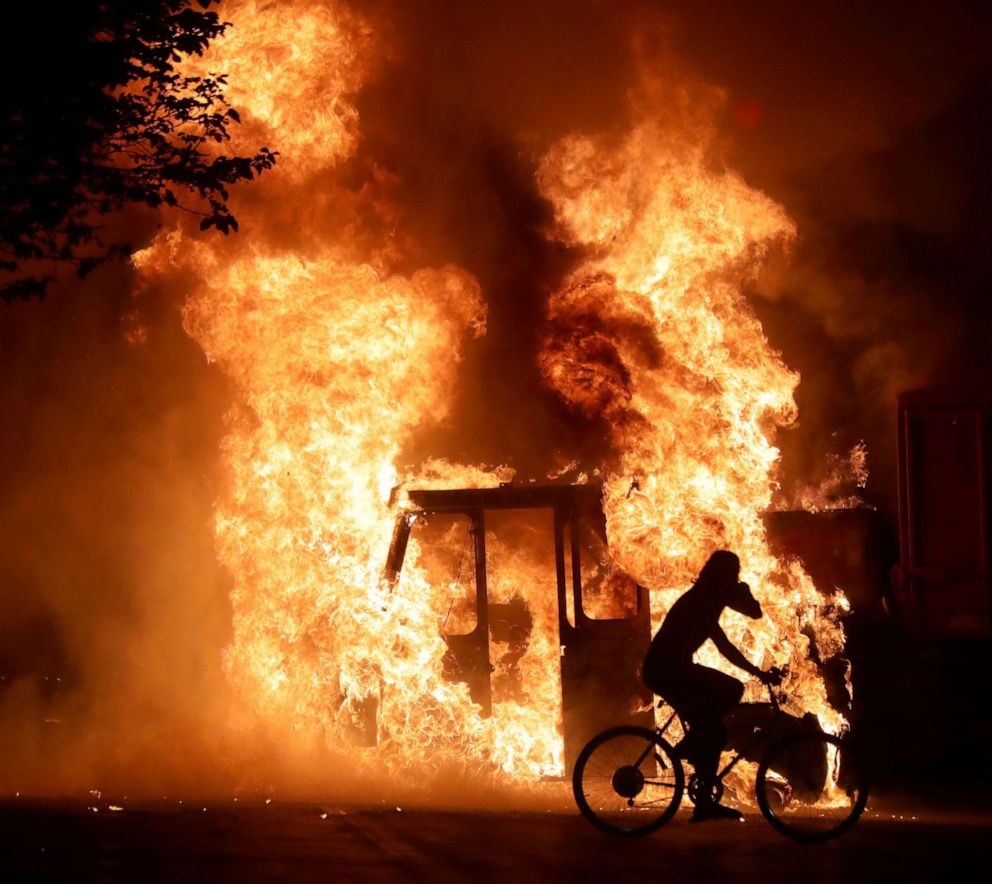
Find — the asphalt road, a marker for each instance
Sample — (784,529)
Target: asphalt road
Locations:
(254,841)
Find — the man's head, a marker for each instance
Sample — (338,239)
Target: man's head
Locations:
(721,573)
(741,600)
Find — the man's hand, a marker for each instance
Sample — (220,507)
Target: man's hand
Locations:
(772,678)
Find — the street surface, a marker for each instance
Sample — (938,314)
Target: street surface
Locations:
(285,842)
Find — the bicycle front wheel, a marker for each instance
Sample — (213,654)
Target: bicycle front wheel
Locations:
(811,787)
(627,781)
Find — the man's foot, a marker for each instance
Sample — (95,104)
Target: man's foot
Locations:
(710,811)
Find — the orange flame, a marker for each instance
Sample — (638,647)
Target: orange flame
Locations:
(653,333)
(840,487)
(337,360)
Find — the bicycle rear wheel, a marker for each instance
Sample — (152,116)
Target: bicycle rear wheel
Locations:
(627,781)
(811,787)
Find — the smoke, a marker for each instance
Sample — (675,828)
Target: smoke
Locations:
(867,128)
(113,610)
(872,131)
(460,114)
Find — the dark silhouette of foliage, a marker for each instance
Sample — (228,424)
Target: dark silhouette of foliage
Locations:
(96,115)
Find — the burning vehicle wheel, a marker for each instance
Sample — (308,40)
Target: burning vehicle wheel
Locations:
(627,781)
(811,787)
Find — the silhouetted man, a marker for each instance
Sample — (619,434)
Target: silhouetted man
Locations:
(702,695)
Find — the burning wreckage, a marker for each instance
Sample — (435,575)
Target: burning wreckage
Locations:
(344,360)
(496,554)
(600,617)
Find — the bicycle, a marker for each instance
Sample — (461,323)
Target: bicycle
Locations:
(810,785)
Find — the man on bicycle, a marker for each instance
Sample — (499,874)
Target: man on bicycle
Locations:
(703,696)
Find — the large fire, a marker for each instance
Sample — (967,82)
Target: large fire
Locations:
(337,359)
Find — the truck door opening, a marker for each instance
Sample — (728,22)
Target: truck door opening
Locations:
(533,609)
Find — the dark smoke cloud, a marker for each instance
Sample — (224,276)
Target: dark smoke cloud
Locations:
(471,96)
(870,125)
(874,133)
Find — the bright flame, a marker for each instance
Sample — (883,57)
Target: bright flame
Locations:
(337,361)
(840,487)
(653,335)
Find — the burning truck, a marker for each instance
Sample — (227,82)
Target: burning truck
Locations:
(502,623)
(502,552)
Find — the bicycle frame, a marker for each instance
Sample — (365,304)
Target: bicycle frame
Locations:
(661,730)
(796,783)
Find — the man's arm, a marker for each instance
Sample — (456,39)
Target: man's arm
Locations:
(729,650)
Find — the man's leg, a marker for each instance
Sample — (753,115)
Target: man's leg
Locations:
(711,696)
(722,692)
(714,695)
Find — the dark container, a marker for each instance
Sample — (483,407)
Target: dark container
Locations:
(944,461)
